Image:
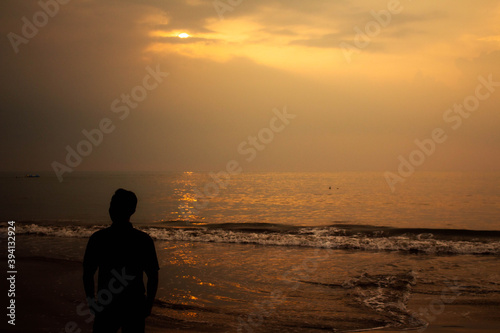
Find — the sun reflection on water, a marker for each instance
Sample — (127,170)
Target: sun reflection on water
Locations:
(183,190)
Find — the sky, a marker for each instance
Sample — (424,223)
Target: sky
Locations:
(274,85)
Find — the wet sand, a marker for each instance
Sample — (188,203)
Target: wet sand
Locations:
(47,290)
(465,314)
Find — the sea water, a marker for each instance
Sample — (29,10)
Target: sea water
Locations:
(294,252)
(426,200)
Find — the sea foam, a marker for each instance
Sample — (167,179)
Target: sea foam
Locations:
(332,237)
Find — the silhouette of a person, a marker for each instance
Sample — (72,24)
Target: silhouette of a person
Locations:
(122,254)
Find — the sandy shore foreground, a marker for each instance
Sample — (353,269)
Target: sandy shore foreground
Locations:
(45,294)
(46,290)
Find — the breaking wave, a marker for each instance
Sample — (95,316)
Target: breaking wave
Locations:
(340,236)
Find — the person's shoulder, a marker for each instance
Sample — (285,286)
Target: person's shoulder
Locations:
(141,234)
(100,233)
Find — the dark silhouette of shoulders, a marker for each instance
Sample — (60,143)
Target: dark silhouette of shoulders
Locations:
(121,254)
(116,247)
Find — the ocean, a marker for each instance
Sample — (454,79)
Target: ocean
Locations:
(288,252)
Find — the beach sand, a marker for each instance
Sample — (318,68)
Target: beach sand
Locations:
(465,314)
(46,290)
(45,294)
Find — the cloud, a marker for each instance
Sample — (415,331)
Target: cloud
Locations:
(331,40)
(189,40)
(485,63)
(225,80)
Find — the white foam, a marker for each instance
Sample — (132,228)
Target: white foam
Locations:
(325,240)
(57,231)
(387,294)
(321,238)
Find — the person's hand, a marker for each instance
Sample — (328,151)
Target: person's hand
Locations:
(147,310)
(93,306)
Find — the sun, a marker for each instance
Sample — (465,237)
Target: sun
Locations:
(183,35)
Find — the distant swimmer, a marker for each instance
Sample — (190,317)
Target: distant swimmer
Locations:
(330,188)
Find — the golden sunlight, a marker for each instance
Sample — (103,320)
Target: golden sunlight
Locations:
(183,35)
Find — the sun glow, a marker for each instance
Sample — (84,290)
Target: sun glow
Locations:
(183,35)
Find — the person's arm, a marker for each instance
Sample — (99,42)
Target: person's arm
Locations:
(151,289)
(88,282)
(89,269)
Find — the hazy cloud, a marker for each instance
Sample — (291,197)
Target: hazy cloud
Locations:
(225,79)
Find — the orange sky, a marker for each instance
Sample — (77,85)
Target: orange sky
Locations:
(357,106)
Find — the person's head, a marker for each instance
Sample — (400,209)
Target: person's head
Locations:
(122,206)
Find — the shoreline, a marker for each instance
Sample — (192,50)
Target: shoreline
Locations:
(46,290)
